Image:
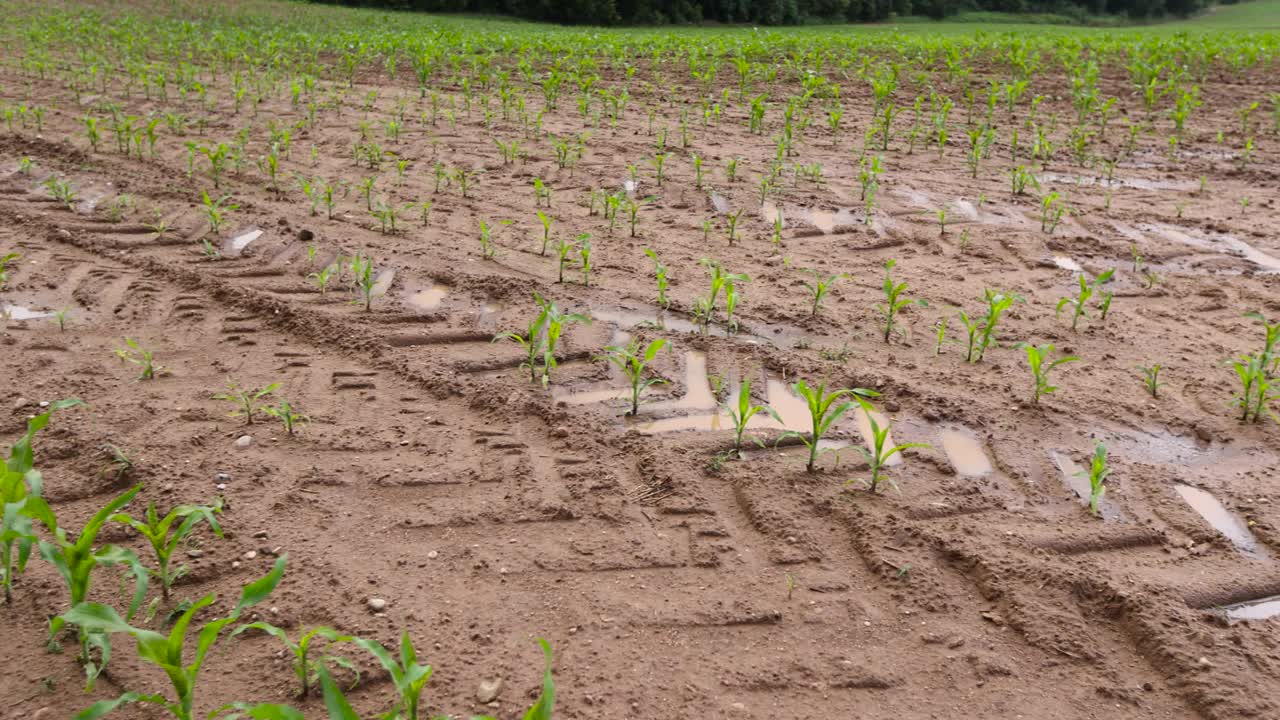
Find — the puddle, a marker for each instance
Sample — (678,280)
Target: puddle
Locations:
(18,312)
(1129,182)
(1219,243)
(627,318)
(1253,610)
(825,221)
(382,283)
(1067,263)
(428,298)
(237,244)
(1221,519)
(587,397)
(965,452)
(790,408)
(720,203)
(697,394)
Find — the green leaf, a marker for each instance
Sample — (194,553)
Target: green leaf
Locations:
(258,590)
(102,707)
(542,709)
(334,701)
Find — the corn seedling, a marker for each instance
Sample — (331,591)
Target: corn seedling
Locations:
(322,278)
(1080,302)
(7,262)
(1151,378)
(819,288)
(893,300)
(408,677)
(167,652)
(741,413)
(286,414)
(118,465)
(824,410)
(245,399)
(62,191)
(75,563)
(632,362)
(1098,472)
(981,331)
(1051,212)
(563,248)
(60,317)
(1038,359)
(215,211)
(165,538)
(134,353)
(20,480)
(878,455)
(306,668)
(365,281)
(660,277)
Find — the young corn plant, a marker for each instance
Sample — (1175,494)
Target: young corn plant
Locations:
(165,538)
(365,281)
(287,414)
(168,653)
(1080,302)
(878,455)
(19,480)
(660,278)
(1038,359)
(546,231)
(215,211)
(632,361)
(408,677)
(75,563)
(245,399)
(741,413)
(554,323)
(1151,378)
(307,667)
(134,353)
(824,410)
(819,289)
(893,300)
(1098,472)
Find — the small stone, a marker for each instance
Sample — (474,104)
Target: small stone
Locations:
(243,442)
(738,707)
(235,564)
(433,555)
(251,555)
(20,403)
(275,551)
(488,690)
(195,553)
(377,604)
(222,477)
(1148,686)
(44,403)
(560,432)
(220,486)
(260,534)
(64,233)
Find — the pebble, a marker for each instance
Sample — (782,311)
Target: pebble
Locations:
(220,486)
(20,403)
(243,442)
(433,555)
(44,403)
(251,555)
(260,534)
(488,690)
(377,604)
(223,477)
(195,553)
(560,432)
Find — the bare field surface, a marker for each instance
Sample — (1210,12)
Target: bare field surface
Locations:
(437,490)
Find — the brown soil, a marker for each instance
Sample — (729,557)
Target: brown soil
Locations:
(488,511)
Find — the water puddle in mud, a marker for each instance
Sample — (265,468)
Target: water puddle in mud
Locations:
(428,298)
(1067,263)
(1260,609)
(1128,182)
(825,221)
(965,452)
(1218,243)
(1221,519)
(625,318)
(236,245)
(18,312)
(720,203)
(382,283)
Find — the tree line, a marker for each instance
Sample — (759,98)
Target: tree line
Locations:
(777,12)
